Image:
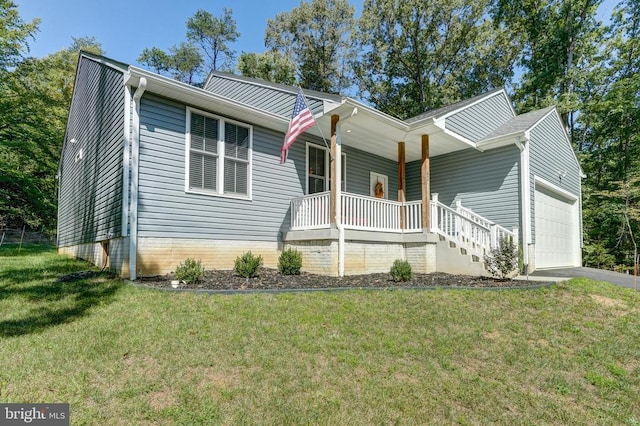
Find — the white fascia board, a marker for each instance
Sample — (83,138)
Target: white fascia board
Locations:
(379,115)
(469,142)
(502,140)
(191,95)
(554,188)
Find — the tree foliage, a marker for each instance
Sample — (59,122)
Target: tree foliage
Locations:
(213,35)
(207,49)
(316,37)
(14,34)
(34,102)
(270,66)
(557,39)
(609,142)
(418,55)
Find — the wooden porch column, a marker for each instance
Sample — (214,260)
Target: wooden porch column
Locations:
(425,173)
(334,193)
(402,183)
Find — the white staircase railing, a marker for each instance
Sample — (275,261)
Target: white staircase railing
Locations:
(468,229)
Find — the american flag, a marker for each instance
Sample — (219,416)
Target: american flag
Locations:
(301,120)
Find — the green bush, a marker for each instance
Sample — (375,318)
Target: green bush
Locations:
(502,261)
(190,271)
(290,262)
(401,271)
(247,265)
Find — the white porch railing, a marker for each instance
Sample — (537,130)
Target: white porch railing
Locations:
(468,229)
(310,211)
(358,212)
(461,225)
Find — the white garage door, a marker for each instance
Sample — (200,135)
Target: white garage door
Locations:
(556,228)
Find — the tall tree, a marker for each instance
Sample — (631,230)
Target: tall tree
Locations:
(207,49)
(213,35)
(557,38)
(316,37)
(270,66)
(185,63)
(14,34)
(422,54)
(34,103)
(156,59)
(609,127)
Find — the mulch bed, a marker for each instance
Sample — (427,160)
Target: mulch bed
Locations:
(270,279)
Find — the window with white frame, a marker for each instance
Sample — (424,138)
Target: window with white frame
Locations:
(318,169)
(219,157)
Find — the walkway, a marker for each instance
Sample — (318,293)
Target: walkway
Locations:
(617,278)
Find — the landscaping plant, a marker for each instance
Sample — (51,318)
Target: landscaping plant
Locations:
(290,262)
(190,271)
(401,271)
(247,265)
(502,261)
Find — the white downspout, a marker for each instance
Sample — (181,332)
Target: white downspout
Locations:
(339,224)
(525,202)
(126,159)
(135,151)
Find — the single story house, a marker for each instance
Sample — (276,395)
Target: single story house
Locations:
(154,171)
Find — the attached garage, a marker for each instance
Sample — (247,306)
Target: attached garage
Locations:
(557,227)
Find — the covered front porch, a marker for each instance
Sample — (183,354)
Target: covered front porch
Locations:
(337,228)
(374,232)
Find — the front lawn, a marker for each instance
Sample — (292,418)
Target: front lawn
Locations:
(119,354)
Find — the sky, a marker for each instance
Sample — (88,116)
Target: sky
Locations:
(126,27)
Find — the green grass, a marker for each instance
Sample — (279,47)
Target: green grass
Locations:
(568,354)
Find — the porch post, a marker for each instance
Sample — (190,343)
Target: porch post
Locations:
(402,183)
(333,172)
(425,173)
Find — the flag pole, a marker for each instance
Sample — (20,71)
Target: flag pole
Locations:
(319,126)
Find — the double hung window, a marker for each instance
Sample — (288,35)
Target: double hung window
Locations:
(219,155)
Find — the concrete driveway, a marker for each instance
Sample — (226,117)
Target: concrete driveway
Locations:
(617,278)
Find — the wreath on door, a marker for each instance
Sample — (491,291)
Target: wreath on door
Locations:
(379,190)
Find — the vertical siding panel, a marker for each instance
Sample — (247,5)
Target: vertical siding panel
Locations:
(90,198)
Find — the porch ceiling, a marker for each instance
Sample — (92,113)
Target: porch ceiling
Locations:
(371,131)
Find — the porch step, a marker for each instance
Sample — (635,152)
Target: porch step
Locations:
(457,260)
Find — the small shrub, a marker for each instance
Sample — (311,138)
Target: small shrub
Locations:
(502,261)
(290,262)
(247,265)
(190,271)
(401,271)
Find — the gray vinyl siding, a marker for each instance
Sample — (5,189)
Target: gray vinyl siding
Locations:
(90,195)
(477,121)
(359,166)
(275,100)
(166,210)
(550,153)
(486,182)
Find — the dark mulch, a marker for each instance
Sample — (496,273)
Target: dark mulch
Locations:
(270,279)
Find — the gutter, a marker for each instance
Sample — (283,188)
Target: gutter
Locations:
(135,151)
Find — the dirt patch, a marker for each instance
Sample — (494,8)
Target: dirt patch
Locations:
(270,279)
(161,399)
(608,302)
